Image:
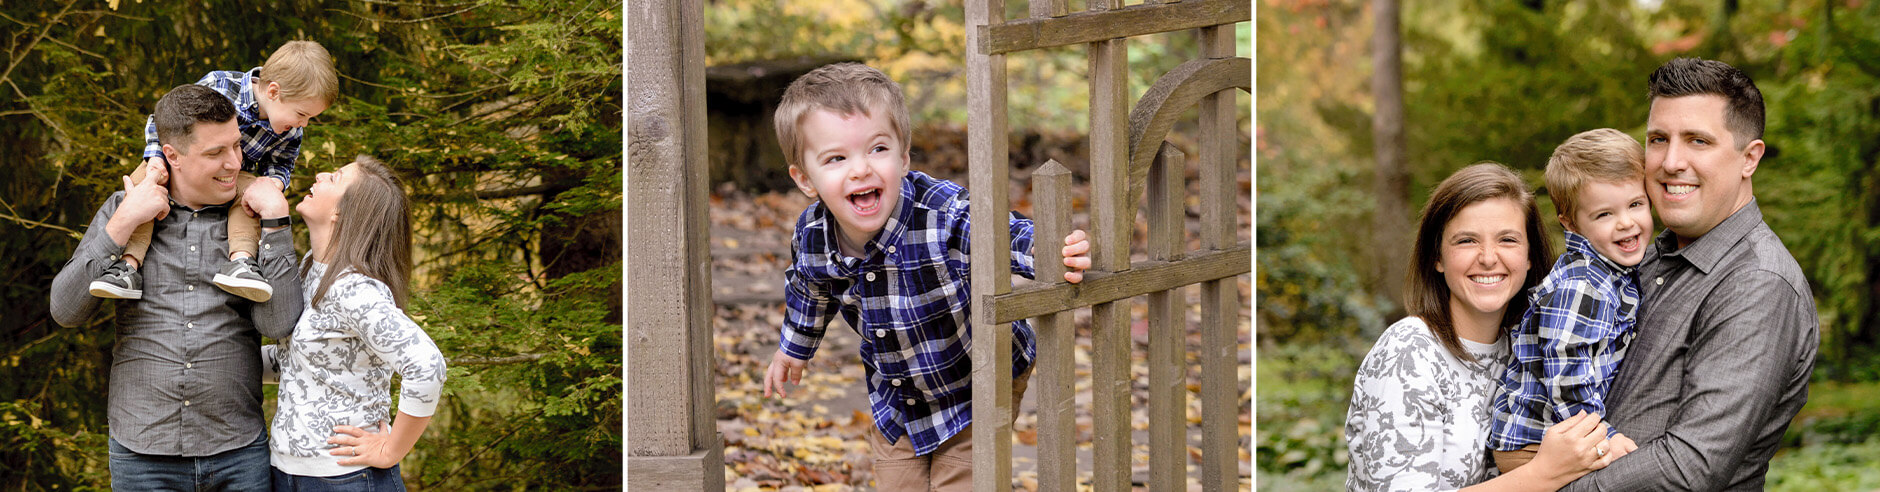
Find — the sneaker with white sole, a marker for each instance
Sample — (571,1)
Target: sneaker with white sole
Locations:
(119,281)
(240,278)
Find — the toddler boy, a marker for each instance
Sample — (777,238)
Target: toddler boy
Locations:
(1568,346)
(273,103)
(888,249)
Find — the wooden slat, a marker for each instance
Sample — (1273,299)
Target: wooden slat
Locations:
(1053,372)
(1112,226)
(1107,20)
(1099,287)
(1220,299)
(991,266)
(1044,9)
(698,258)
(660,411)
(1168,389)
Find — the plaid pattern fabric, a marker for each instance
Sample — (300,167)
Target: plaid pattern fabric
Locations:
(908,297)
(1568,346)
(264,153)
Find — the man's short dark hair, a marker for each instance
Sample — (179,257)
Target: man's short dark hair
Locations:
(183,107)
(1695,76)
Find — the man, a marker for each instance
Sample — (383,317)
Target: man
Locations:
(185,394)
(1728,336)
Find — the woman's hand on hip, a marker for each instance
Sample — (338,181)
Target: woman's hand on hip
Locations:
(358,447)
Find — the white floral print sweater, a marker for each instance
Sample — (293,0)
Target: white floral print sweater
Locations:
(1419,415)
(337,369)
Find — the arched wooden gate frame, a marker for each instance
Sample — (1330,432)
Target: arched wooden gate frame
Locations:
(1127,158)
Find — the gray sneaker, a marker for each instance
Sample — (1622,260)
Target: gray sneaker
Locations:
(240,277)
(119,281)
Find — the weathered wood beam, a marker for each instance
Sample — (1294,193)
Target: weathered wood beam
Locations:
(988,169)
(1220,299)
(1109,23)
(1141,278)
(1112,223)
(1168,323)
(1054,372)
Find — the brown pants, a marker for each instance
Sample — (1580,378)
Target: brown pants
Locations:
(1509,460)
(244,231)
(947,469)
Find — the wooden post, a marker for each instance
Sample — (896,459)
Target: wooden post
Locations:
(1220,299)
(991,256)
(1112,225)
(1046,8)
(1168,327)
(1054,372)
(675,444)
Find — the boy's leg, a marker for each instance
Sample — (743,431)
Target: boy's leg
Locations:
(896,465)
(241,276)
(953,463)
(121,280)
(1507,461)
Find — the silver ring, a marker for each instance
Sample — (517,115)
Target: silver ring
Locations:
(1601,450)
(354,451)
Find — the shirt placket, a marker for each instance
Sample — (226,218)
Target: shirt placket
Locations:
(195,232)
(890,357)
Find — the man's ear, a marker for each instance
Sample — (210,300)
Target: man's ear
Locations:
(802,181)
(1752,156)
(170,153)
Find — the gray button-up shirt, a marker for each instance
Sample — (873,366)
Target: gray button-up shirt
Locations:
(186,371)
(1721,362)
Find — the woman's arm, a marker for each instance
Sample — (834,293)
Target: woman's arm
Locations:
(391,336)
(378,449)
(1392,428)
(1568,451)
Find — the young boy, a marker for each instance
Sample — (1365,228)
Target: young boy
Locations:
(273,103)
(888,249)
(1568,347)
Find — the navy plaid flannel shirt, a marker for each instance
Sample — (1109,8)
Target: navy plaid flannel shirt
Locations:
(908,297)
(264,153)
(1568,346)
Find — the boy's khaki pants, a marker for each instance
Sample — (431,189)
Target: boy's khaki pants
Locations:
(1507,461)
(947,469)
(244,232)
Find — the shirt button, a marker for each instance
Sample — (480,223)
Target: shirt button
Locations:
(881,333)
(189,365)
(910,401)
(267,246)
(1661,281)
(186,403)
(895,382)
(870,276)
(192,248)
(891,250)
(192,324)
(191,287)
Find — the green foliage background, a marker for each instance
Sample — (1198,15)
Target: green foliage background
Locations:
(502,117)
(1507,81)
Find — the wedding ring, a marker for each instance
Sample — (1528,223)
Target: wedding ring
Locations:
(1601,450)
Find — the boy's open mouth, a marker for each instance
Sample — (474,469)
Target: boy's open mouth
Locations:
(1629,244)
(866,201)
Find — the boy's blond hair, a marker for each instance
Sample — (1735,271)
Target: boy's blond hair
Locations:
(304,70)
(1604,155)
(841,88)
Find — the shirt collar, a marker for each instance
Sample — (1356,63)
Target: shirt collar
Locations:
(1577,243)
(1708,250)
(891,232)
(245,96)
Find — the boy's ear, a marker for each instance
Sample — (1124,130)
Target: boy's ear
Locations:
(1565,222)
(802,181)
(273,91)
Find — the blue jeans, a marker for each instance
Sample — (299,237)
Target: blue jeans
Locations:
(367,480)
(243,468)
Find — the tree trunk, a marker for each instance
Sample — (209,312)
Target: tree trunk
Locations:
(1391,224)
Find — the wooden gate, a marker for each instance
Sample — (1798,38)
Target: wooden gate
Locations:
(1127,158)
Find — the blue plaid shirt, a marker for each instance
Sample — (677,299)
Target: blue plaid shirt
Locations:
(264,153)
(1568,346)
(908,297)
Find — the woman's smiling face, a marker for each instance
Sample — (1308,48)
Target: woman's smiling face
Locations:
(322,201)
(1484,257)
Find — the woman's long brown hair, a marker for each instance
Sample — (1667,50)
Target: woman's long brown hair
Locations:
(373,233)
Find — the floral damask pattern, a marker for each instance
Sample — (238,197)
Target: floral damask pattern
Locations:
(1419,415)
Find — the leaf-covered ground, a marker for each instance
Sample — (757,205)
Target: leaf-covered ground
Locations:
(814,439)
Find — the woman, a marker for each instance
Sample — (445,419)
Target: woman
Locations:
(336,370)
(1420,407)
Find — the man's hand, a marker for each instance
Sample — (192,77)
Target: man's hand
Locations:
(783,368)
(1076,256)
(1622,445)
(263,199)
(144,202)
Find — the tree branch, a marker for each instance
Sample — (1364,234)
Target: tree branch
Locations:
(494,361)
